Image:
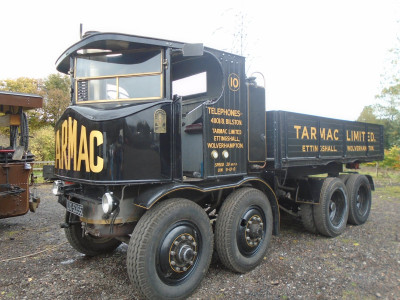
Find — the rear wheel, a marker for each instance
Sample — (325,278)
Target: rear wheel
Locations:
(331,213)
(86,243)
(243,229)
(307,218)
(170,250)
(360,199)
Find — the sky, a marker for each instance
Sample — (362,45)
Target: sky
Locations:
(319,57)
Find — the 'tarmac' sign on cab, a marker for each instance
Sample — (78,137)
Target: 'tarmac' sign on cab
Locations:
(73,150)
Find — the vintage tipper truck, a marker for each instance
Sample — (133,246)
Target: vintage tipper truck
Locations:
(16,161)
(168,147)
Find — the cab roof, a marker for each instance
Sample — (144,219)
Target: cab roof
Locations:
(109,41)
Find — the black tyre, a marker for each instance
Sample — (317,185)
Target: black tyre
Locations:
(330,215)
(88,244)
(344,177)
(170,250)
(307,217)
(360,199)
(243,229)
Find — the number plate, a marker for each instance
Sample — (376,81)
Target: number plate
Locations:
(75,208)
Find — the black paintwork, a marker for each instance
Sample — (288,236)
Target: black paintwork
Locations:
(286,146)
(131,150)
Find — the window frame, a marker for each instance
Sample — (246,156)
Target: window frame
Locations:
(117,77)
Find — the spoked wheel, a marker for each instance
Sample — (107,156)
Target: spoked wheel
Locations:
(170,250)
(359,190)
(243,229)
(331,214)
(87,244)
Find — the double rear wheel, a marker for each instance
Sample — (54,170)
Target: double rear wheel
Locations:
(243,229)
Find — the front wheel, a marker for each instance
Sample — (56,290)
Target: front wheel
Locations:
(170,250)
(243,229)
(86,243)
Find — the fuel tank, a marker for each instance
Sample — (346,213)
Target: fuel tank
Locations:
(114,145)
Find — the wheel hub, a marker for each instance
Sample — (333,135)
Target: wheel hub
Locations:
(254,231)
(251,231)
(182,253)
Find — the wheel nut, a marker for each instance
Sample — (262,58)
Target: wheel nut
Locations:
(248,230)
(250,222)
(248,238)
(184,269)
(190,237)
(194,253)
(183,237)
(194,244)
(176,243)
(261,224)
(172,253)
(177,269)
(173,263)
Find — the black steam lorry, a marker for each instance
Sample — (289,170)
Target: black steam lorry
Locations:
(168,147)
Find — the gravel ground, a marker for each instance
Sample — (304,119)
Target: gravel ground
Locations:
(362,263)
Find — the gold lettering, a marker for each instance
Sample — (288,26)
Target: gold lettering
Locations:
(313,133)
(83,151)
(297,127)
(95,134)
(329,135)
(64,145)
(322,133)
(58,163)
(72,141)
(305,133)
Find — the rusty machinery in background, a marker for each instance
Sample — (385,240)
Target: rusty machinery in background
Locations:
(16,160)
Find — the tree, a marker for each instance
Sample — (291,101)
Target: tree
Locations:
(387,110)
(368,115)
(55,92)
(57,97)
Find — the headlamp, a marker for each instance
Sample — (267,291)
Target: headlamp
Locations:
(109,203)
(57,186)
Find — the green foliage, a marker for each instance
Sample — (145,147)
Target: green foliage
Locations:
(367,115)
(387,111)
(55,92)
(42,144)
(23,85)
(392,158)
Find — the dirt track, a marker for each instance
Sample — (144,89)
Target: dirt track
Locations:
(364,262)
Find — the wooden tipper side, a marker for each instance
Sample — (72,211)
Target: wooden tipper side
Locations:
(295,140)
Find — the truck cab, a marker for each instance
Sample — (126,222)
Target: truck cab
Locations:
(164,147)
